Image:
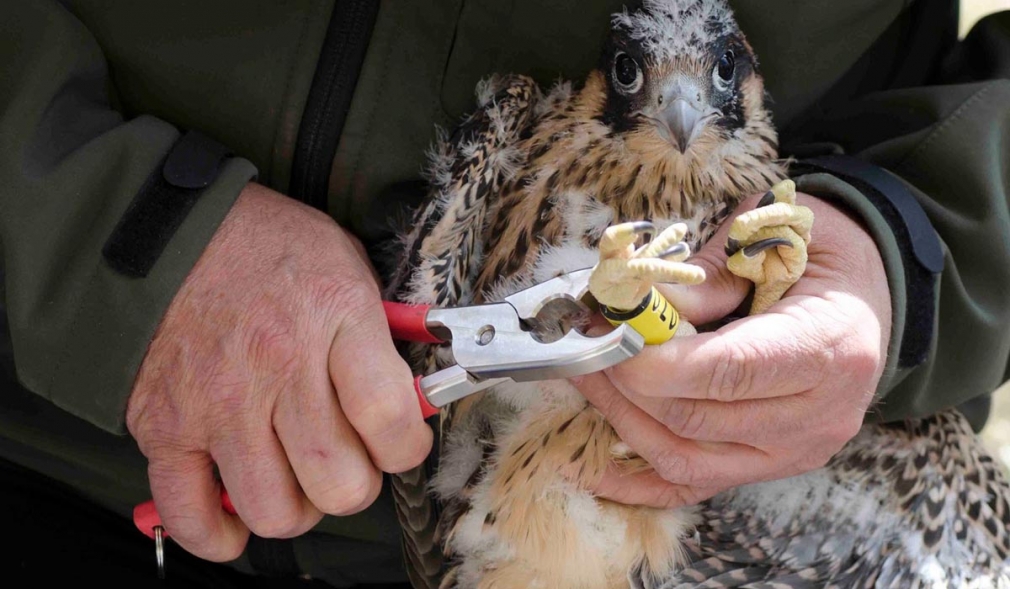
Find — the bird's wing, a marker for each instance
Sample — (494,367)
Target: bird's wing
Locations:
(914,504)
(442,250)
(441,257)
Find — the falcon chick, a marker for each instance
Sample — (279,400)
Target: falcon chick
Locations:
(670,128)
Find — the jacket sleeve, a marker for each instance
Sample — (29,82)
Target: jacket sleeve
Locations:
(944,147)
(70,170)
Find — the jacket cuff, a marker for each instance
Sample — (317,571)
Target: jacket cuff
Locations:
(133,284)
(908,244)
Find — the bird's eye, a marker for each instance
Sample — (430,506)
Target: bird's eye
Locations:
(627,74)
(725,69)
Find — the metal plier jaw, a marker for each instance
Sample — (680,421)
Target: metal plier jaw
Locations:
(493,343)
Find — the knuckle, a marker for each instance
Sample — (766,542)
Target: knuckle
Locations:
(676,468)
(282,523)
(348,289)
(215,547)
(158,440)
(669,466)
(349,496)
(187,527)
(223,551)
(673,496)
(227,551)
(407,457)
(272,339)
(844,344)
(733,374)
(862,361)
(686,419)
(197,536)
(382,414)
(694,495)
(669,496)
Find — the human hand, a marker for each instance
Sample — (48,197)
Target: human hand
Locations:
(765,397)
(274,362)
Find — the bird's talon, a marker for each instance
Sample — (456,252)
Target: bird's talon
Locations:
(757,247)
(732,246)
(754,239)
(679,252)
(618,239)
(625,275)
(640,228)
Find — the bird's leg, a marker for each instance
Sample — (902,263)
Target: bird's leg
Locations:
(625,275)
(768,245)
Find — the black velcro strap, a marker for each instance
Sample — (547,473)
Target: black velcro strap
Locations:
(917,240)
(924,241)
(162,204)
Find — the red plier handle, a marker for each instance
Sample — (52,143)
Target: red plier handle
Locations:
(146,518)
(410,323)
(406,323)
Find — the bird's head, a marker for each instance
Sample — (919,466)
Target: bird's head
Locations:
(680,76)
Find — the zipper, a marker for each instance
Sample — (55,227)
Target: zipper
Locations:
(329,99)
(326,108)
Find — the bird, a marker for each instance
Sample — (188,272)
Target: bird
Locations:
(628,172)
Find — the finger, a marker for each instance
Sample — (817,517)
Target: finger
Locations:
(770,355)
(188,499)
(376,389)
(760,422)
(648,489)
(260,481)
(677,460)
(329,460)
(825,414)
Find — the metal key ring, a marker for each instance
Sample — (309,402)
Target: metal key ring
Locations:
(159,550)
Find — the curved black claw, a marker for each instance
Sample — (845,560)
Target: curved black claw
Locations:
(644,228)
(759,246)
(732,246)
(767,199)
(680,249)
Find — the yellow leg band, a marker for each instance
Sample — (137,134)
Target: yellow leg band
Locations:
(655,318)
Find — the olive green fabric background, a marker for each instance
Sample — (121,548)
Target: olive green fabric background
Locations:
(426,58)
(91,95)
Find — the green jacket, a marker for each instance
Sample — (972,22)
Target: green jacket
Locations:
(93,96)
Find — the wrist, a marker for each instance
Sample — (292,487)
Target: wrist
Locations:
(911,270)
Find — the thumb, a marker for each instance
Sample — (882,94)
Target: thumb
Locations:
(722,292)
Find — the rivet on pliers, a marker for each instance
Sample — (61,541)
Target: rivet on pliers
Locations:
(494,342)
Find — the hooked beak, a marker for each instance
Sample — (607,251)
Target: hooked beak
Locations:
(682,121)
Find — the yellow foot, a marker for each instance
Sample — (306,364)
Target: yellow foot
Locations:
(625,275)
(768,245)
